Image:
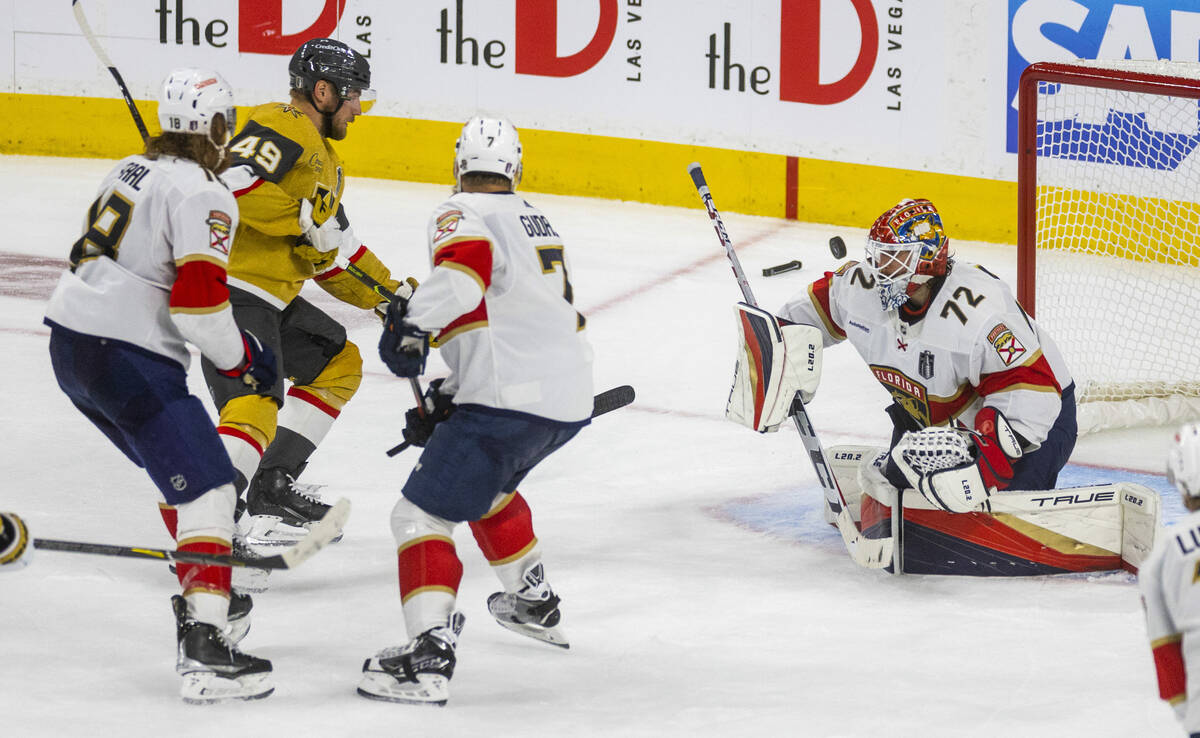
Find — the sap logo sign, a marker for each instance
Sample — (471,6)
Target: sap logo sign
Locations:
(1065,30)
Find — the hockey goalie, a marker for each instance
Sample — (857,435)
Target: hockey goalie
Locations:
(983,412)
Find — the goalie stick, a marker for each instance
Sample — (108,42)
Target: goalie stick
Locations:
(81,19)
(324,531)
(874,553)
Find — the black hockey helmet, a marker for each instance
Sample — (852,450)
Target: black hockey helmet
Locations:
(329,59)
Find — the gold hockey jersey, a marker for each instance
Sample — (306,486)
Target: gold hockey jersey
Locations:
(280,158)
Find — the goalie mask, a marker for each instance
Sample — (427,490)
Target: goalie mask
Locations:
(1183,461)
(191,98)
(488,145)
(907,247)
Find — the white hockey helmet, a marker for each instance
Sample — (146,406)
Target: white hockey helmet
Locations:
(488,145)
(191,98)
(1183,460)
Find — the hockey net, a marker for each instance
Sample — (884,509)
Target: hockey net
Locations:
(1109,232)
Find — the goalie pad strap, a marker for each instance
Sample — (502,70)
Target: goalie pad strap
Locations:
(774,363)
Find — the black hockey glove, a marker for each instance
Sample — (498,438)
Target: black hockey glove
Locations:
(403,346)
(258,368)
(438,407)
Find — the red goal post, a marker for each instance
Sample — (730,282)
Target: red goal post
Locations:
(1108,221)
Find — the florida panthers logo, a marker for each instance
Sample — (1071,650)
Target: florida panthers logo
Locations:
(908,393)
(446,224)
(1006,344)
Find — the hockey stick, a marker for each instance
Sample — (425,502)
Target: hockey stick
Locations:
(355,271)
(112,68)
(605,402)
(874,553)
(320,534)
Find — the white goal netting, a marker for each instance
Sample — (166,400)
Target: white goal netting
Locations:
(1117,237)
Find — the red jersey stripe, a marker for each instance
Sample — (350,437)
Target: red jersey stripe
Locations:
(819,293)
(475,318)
(199,284)
(473,256)
(248,188)
(1168,664)
(1034,374)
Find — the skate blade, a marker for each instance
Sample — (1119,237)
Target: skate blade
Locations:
(206,687)
(266,533)
(430,689)
(554,636)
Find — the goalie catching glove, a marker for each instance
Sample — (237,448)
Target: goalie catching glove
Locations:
(956,470)
(774,363)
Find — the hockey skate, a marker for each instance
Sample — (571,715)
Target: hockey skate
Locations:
(417,673)
(279,510)
(213,670)
(531,612)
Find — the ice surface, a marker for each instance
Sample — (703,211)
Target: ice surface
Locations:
(700,592)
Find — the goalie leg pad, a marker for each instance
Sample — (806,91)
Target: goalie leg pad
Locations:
(774,363)
(846,463)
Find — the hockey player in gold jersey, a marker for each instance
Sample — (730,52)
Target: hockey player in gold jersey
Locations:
(288,181)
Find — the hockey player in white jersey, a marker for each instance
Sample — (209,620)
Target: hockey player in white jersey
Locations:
(499,305)
(1170,593)
(982,399)
(147,277)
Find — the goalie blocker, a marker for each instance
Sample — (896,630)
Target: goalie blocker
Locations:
(1019,533)
(774,363)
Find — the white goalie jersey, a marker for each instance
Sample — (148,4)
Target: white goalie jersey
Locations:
(974,346)
(149,268)
(499,303)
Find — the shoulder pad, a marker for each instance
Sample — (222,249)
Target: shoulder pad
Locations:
(270,154)
(845,267)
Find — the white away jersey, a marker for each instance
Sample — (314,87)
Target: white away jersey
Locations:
(149,268)
(499,301)
(1170,588)
(975,347)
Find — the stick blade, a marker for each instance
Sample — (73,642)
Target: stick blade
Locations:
(328,528)
(871,553)
(612,399)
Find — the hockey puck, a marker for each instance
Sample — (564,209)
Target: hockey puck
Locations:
(837,247)
(781,268)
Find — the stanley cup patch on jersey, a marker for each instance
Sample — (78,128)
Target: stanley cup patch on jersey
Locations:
(219,226)
(925,365)
(1006,344)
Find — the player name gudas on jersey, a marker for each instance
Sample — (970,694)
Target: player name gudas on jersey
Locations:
(972,344)
(501,283)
